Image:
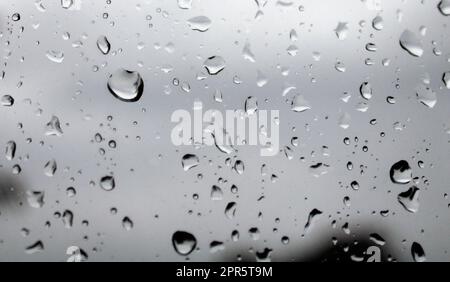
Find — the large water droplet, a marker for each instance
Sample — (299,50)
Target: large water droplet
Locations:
(377,23)
(67,219)
(200,23)
(185,4)
(35,199)
(426,96)
(183,242)
(10,151)
(66,4)
(50,168)
(35,248)
(189,161)
(214,65)
(216,193)
(341,30)
(103,45)
(299,104)
(444,7)
(230,210)
(377,239)
(410,199)
(55,56)
(53,127)
(312,218)
(107,183)
(7,101)
(417,252)
(411,43)
(251,105)
(366,90)
(126,85)
(127,224)
(401,172)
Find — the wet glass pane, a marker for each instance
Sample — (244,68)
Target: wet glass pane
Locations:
(235,130)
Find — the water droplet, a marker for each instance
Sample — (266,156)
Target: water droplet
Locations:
(126,85)
(261,79)
(426,96)
(16,17)
(183,242)
(401,172)
(239,167)
(7,101)
(377,239)
(35,199)
(230,210)
(444,7)
(214,65)
(251,105)
(199,23)
(103,45)
(35,248)
(410,199)
(185,4)
(417,252)
(189,161)
(55,56)
(248,54)
(127,224)
(107,183)
(299,104)
(411,43)
(312,218)
(50,168)
(377,23)
(446,78)
(10,151)
(216,193)
(344,120)
(67,219)
(53,127)
(216,246)
(67,4)
(366,90)
(341,30)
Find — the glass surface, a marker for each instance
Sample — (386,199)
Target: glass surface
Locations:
(90,170)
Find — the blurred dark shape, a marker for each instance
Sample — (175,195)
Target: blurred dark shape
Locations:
(12,193)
